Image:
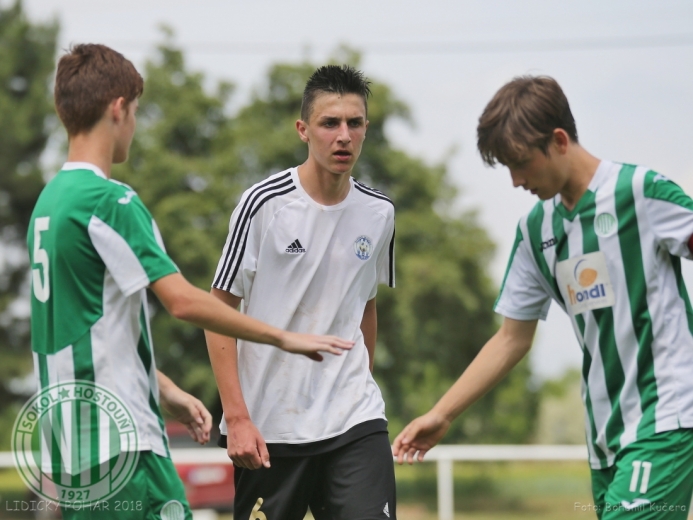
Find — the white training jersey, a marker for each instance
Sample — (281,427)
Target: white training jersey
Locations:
(613,263)
(94,248)
(307,268)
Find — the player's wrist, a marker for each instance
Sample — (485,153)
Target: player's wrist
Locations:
(168,391)
(279,338)
(236,418)
(441,416)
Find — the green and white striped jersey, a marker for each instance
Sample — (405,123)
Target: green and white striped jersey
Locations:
(613,264)
(94,249)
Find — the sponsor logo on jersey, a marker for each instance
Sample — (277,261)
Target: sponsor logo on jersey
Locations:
(75,443)
(295,248)
(584,282)
(363,247)
(548,243)
(127,197)
(605,225)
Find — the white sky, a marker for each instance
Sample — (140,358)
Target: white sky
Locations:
(625,65)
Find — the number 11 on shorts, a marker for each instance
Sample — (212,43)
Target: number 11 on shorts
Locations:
(646,469)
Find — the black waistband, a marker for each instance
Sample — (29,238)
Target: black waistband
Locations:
(315,448)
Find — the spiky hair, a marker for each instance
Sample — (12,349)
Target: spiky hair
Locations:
(334,79)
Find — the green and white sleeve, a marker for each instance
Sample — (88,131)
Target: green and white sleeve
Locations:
(522,295)
(670,213)
(128,241)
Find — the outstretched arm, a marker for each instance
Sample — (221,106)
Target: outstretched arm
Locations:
(188,303)
(500,354)
(185,408)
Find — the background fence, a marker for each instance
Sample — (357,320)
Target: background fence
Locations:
(443,456)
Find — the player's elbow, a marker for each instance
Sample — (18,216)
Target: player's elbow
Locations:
(522,347)
(181,307)
(180,299)
(516,337)
(518,348)
(513,347)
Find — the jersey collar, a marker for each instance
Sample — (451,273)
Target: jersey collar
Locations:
(308,198)
(76,165)
(600,176)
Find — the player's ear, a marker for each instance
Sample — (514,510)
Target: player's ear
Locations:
(301,128)
(561,139)
(118,109)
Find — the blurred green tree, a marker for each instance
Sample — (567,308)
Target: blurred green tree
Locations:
(191,160)
(182,168)
(26,118)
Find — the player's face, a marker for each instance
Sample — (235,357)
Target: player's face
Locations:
(125,131)
(335,131)
(540,174)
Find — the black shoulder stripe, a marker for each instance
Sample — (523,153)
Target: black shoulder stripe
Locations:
(380,195)
(237,263)
(252,196)
(234,261)
(391,281)
(365,186)
(372,193)
(243,221)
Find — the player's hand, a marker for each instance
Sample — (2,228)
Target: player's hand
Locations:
(420,435)
(188,410)
(245,445)
(311,345)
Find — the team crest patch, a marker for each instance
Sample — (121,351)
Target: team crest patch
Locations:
(49,447)
(605,224)
(363,247)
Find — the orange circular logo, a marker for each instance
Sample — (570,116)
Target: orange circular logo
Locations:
(587,277)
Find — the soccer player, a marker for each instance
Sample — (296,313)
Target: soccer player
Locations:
(94,250)
(306,250)
(605,242)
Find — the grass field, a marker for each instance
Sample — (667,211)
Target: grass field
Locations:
(541,491)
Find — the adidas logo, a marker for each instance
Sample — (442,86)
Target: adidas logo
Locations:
(386,510)
(295,248)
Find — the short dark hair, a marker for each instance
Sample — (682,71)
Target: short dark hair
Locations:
(89,77)
(523,115)
(334,79)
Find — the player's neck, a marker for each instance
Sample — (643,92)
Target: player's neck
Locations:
(581,169)
(94,148)
(322,186)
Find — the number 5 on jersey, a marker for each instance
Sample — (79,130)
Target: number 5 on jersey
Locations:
(42,289)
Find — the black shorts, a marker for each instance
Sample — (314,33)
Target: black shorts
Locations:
(353,482)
